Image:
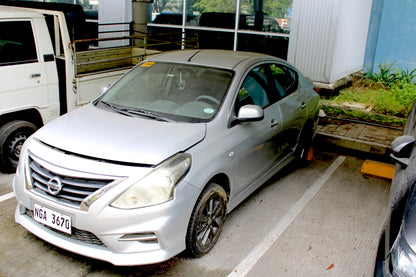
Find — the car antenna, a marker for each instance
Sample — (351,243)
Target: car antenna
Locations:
(193,55)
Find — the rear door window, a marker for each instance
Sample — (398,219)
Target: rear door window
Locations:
(285,79)
(17,44)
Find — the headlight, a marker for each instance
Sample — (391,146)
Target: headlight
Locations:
(156,187)
(403,258)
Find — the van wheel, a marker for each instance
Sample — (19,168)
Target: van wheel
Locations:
(12,136)
(207,221)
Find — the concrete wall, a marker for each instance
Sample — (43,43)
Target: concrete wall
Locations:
(328,37)
(392,36)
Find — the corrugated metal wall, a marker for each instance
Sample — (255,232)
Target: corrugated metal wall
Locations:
(328,37)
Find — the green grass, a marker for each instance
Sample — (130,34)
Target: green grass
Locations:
(363,116)
(392,101)
(388,95)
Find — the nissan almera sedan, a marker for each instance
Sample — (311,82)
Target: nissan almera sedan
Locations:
(152,167)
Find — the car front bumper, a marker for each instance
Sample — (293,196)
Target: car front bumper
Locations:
(145,236)
(120,236)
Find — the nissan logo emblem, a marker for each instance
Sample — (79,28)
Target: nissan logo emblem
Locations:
(55,185)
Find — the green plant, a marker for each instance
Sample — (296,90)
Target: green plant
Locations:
(385,77)
(389,76)
(406,77)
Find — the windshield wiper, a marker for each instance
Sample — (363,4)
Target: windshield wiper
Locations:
(116,109)
(136,111)
(146,113)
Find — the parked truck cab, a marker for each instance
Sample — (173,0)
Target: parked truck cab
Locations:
(44,74)
(29,80)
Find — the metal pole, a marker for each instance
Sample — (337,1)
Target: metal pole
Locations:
(237,23)
(184,16)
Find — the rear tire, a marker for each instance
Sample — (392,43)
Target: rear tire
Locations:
(207,221)
(12,136)
(304,144)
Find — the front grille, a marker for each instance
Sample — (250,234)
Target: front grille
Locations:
(76,234)
(66,189)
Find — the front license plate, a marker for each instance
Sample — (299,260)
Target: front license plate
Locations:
(53,219)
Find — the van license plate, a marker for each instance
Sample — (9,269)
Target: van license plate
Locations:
(51,218)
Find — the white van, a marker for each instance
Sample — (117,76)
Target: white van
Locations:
(43,77)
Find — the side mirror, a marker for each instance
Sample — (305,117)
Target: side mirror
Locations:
(402,149)
(249,113)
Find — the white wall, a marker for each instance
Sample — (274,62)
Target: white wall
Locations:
(328,37)
(114,11)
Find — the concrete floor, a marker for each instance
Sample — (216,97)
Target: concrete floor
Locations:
(304,222)
(6,183)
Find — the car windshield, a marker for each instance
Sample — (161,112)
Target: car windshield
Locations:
(169,91)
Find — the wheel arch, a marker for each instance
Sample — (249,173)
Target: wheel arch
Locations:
(309,126)
(308,130)
(220,179)
(12,136)
(223,181)
(29,115)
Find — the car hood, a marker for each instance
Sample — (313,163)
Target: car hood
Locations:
(102,134)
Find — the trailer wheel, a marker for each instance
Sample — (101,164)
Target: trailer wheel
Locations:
(12,136)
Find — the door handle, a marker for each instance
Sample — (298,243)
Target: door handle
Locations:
(303,105)
(35,75)
(274,123)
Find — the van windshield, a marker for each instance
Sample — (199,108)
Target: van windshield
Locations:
(178,92)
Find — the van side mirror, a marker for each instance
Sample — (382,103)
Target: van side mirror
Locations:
(401,149)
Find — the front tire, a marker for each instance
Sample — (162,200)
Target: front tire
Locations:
(12,136)
(207,221)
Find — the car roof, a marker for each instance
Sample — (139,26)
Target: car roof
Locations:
(212,58)
(7,12)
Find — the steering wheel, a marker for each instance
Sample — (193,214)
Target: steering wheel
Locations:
(208,98)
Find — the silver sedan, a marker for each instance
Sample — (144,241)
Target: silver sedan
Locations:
(152,167)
